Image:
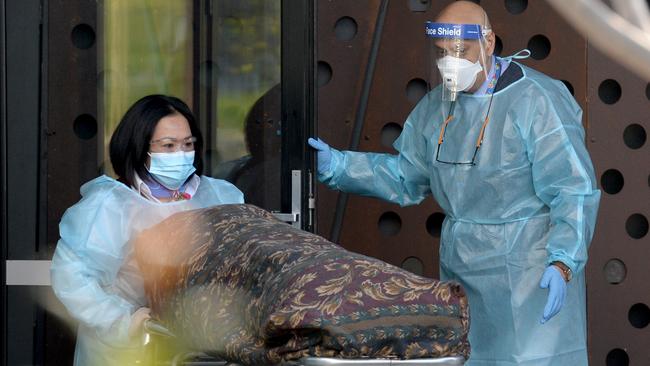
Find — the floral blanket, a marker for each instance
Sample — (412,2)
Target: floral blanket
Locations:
(236,283)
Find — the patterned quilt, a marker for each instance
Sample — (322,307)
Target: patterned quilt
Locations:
(236,283)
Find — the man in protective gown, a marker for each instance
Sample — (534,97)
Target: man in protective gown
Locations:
(501,148)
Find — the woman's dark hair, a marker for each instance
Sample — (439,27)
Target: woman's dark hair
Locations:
(130,141)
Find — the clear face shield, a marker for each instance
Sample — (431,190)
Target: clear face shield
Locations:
(457,51)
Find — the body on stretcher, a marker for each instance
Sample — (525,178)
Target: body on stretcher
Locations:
(154,330)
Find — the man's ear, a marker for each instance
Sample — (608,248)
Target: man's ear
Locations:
(491,43)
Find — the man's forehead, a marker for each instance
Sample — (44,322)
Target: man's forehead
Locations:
(468,19)
(462,13)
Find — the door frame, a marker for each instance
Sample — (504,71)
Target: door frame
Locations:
(298,103)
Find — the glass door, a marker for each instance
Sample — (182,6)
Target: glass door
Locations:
(70,70)
(224,58)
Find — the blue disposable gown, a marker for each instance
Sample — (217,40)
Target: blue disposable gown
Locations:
(94,272)
(530,199)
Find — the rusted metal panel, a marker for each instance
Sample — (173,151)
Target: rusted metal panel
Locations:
(609,304)
(567,59)
(72,92)
(338,99)
(361,233)
(71,156)
(401,58)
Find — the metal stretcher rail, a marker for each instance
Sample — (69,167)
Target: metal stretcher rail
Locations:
(152,328)
(320,361)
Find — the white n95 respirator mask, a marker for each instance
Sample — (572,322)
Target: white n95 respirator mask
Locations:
(458,74)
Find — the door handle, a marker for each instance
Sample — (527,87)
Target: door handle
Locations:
(293,217)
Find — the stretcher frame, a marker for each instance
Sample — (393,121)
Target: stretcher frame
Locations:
(154,329)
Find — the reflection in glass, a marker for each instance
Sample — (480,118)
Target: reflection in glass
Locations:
(246,142)
(248,61)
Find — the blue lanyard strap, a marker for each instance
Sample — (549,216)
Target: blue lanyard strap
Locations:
(493,82)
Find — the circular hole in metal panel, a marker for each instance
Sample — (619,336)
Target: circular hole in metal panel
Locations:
(389,133)
(413,265)
(634,136)
(636,226)
(539,47)
(617,357)
(609,91)
(615,271)
(419,5)
(389,223)
(612,181)
(498,46)
(639,315)
(85,126)
(83,36)
(569,86)
(345,28)
(434,224)
(516,6)
(416,89)
(324,72)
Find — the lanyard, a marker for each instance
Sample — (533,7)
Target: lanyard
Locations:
(497,73)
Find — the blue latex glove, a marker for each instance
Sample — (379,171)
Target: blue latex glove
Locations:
(554,281)
(324,154)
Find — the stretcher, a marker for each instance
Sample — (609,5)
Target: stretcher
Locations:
(154,330)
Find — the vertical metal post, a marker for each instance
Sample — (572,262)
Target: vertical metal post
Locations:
(298,96)
(204,84)
(342,200)
(3,181)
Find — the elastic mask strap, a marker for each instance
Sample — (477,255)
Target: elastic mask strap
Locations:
(523,54)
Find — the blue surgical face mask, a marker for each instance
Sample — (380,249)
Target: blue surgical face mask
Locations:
(172,169)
